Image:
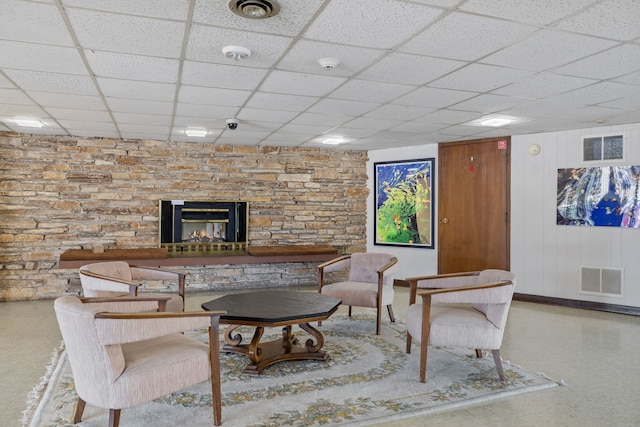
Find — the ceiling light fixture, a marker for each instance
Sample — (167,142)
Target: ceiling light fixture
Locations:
(334,140)
(496,122)
(236,52)
(28,123)
(255,9)
(198,133)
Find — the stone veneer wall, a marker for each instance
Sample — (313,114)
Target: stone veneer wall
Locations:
(59,193)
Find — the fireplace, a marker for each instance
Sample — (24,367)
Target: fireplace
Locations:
(196,226)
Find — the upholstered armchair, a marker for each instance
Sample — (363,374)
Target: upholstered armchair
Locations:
(122,358)
(113,278)
(369,283)
(467,310)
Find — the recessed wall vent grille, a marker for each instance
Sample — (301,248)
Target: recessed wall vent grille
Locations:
(602,281)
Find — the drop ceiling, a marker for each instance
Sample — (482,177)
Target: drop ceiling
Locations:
(409,73)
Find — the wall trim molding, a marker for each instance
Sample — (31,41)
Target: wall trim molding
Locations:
(587,305)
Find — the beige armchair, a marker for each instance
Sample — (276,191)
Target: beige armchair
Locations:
(369,283)
(467,310)
(122,359)
(114,278)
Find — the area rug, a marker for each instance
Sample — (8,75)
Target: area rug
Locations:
(369,379)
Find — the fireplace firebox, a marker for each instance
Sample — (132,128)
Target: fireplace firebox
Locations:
(190,226)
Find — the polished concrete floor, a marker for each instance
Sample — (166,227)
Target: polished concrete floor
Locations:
(596,354)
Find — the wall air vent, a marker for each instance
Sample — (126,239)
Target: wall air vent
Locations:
(603,148)
(602,281)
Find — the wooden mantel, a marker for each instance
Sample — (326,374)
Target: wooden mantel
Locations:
(159,257)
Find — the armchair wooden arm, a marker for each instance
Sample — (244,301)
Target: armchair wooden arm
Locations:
(160,300)
(413,282)
(133,286)
(163,274)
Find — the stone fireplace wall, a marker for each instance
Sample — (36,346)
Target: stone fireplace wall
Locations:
(59,193)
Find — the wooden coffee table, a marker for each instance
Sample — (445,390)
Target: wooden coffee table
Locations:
(264,309)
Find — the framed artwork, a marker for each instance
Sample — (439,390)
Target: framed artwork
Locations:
(603,196)
(404,203)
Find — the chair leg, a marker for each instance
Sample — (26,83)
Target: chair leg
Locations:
(390,310)
(408,343)
(349,311)
(114,417)
(479,354)
(78,409)
(498,361)
(378,320)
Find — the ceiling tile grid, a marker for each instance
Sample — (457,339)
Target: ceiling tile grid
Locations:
(408,71)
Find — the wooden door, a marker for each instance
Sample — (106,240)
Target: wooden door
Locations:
(473,205)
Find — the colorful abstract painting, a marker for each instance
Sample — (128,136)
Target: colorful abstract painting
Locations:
(606,196)
(403,203)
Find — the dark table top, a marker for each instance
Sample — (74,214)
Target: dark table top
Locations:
(273,307)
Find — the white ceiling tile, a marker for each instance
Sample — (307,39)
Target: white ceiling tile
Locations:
(22,111)
(138,128)
(480,78)
(480,37)
(78,125)
(617,19)
(40,57)
(347,132)
(290,21)
(372,123)
(358,19)
(410,69)
(451,117)
(304,130)
(418,126)
(489,103)
(630,103)
(542,12)
(342,107)
(159,136)
(300,84)
(132,67)
(399,112)
(127,34)
(327,120)
(53,82)
(601,66)
(33,22)
(288,139)
(14,96)
(597,93)
(216,125)
(137,90)
(543,85)
(363,90)
(165,9)
(277,116)
(541,108)
(222,76)
(63,100)
(281,102)
(79,114)
(631,78)
(591,114)
(5,83)
(212,96)
(144,119)
(206,43)
(205,111)
(433,97)
(547,49)
(140,106)
(304,55)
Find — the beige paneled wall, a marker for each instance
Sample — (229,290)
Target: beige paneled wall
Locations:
(61,193)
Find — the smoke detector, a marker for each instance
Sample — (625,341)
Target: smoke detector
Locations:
(329,63)
(255,9)
(236,52)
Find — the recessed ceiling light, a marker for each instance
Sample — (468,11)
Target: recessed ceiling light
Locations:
(29,123)
(199,133)
(255,9)
(334,140)
(496,121)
